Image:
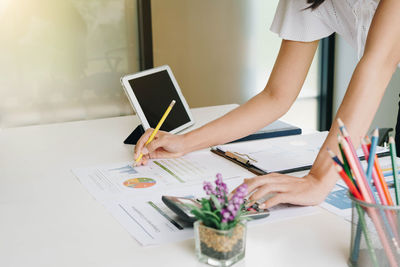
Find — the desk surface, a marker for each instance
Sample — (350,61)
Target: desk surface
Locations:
(47,218)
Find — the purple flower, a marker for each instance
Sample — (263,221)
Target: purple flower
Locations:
(225,213)
(230,208)
(235,203)
(209,188)
(221,189)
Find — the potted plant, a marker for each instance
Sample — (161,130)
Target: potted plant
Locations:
(220,230)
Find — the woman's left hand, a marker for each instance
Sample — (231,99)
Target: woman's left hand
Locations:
(286,189)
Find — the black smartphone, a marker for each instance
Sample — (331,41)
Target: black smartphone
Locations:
(179,205)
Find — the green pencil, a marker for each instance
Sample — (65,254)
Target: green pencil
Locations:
(366,234)
(393,156)
(346,165)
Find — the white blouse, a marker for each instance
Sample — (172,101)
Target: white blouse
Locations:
(349,18)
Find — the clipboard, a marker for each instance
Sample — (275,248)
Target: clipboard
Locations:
(245,161)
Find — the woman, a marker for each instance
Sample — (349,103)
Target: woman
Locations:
(372,27)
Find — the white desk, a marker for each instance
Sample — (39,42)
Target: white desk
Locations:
(47,218)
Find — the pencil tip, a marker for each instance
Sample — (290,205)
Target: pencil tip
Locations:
(376,132)
(331,153)
(337,166)
(340,122)
(391,139)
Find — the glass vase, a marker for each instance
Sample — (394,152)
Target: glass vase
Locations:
(375,233)
(220,247)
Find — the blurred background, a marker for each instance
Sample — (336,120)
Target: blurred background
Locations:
(62,60)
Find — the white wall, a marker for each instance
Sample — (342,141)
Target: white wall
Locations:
(346,60)
(223,52)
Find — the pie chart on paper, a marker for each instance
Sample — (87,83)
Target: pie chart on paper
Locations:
(140,182)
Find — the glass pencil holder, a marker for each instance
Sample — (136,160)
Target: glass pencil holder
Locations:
(220,247)
(375,233)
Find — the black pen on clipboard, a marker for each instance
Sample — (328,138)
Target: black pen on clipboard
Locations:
(246,163)
(232,156)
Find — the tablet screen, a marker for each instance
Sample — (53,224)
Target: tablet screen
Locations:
(155,92)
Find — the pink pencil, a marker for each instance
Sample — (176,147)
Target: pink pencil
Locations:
(361,181)
(357,164)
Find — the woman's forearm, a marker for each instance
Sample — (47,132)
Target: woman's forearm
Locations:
(357,111)
(259,111)
(285,82)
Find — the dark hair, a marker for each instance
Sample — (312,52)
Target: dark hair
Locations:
(314,3)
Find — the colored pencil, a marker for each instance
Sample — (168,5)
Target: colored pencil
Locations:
(389,220)
(372,153)
(353,190)
(346,165)
(366,194)
(393,157)
(157,128)
(335,158)
(358,176)
(374,174)
(383,182)
(381,178)
(362,225)
(355,163)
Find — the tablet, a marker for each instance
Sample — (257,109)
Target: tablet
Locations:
(150,93)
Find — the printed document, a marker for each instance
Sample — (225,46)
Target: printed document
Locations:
(133,194)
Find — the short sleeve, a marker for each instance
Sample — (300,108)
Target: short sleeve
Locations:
(293,21)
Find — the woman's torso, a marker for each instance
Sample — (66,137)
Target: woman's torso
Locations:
(349,18)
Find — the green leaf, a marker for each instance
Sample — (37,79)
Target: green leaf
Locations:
(204,201)
(218,213)
(206,205)
(191,207)
(216,202)
(216,224)
(212,215)
(198,214)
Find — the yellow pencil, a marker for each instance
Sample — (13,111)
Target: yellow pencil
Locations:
(157,128)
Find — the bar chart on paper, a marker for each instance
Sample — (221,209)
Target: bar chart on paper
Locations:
(182,169)
(128,169)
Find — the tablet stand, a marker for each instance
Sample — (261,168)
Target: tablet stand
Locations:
(134,136)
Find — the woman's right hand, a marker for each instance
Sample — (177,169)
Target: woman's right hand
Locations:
(164,145)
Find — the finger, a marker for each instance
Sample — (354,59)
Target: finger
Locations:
(142,161)
(156,143)
(273,178)
(275,200)
(161,153)
(142,140)
(268,189)
(245,181)
(145,160)
(248,181)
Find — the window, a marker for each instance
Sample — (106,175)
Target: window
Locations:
(62,60)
